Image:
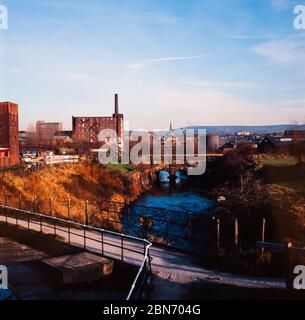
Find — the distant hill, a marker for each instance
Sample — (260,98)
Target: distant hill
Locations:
(253,129)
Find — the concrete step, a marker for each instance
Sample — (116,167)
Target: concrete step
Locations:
(77,268)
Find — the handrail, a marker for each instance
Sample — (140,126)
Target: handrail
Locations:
(277,246)
(147,243)
(113,215)
(269,245)
(140,271)
(286,250)
(77,224)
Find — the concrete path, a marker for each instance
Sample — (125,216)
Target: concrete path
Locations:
(168,264)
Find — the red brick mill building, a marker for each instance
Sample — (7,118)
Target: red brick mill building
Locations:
(9,140)
(87,129)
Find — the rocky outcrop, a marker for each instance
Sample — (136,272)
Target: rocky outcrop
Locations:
(137,182)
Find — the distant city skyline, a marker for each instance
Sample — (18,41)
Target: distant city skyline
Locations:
(191,62)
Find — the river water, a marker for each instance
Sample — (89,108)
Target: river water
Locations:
(168,208)
(175,197)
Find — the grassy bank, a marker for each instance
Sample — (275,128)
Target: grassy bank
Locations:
(276,162)
(79,183)
(121,168)
(283,171)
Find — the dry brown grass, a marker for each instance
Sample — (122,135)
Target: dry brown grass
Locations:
(288,211)
(77,182)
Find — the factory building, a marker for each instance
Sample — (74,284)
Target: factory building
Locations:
(87,129)
(9,136)
(46,130)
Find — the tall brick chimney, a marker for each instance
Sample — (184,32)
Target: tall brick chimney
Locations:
(116,104)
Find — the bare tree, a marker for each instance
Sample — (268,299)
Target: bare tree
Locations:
(298,147)
(32,136)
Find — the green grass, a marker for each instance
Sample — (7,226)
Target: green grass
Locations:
(283,172)
(122,168)
(274,162)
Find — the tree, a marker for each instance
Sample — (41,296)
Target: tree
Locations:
(32,136)
(297,149)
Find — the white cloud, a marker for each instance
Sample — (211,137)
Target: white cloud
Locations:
(294,103)
(240,85)
(140,65)
(77,77)
(135,66)
(185,105)
(288,50)
(160,17)
(252,37)
(65,4)
(281,5)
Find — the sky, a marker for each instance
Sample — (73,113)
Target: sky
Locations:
(192,62)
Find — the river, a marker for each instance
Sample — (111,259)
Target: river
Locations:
(168,208)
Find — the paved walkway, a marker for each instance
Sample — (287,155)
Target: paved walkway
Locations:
(168,264)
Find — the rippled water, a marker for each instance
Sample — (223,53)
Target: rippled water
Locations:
(170,206)
(177,197)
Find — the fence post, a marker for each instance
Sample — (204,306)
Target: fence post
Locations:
(19,208)
(40,220)
(86,213)
(51,206)
(167,227)
(5,203)
(263,231)
(86,223)
(236,234)
(69,218)
(122,248)
(189,223)
(288,258)
(128,218)
(218,234)
(69,209)
(102,237)
(34,203)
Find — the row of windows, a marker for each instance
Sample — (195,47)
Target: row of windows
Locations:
(99,126)
(92,120)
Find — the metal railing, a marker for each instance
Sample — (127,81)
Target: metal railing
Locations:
(120,246)
(177,229)
(194,233)
(287,250)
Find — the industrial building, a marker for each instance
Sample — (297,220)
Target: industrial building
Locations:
(87,129)
(62,138)
(46,130)
(9,136)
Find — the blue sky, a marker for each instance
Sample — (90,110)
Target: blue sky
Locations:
(195,62)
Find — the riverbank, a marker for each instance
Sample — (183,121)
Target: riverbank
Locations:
(77,183)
